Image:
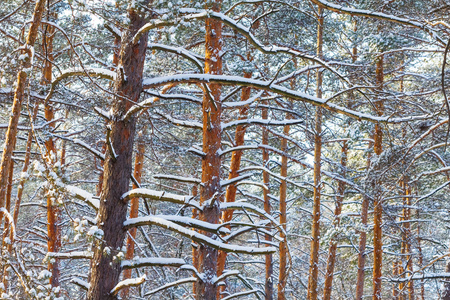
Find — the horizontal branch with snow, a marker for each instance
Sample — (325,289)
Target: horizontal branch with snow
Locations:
(200,238)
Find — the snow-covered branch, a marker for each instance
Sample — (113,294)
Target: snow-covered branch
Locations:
(200,238)
(128,283)
(152,262)
(281,90)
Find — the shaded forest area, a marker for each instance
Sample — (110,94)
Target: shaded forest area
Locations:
(224,149)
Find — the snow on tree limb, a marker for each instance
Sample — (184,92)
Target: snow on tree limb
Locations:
(69,255)
(378,15)
(152,262)
(81,283)
(266,85)
(91,72)
(128,283)
(240,294)
(83,195)
(177,178)
(185,221)
(158,195)
(200,238)
(171,284)
(203,14)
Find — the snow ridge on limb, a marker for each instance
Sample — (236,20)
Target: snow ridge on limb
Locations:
(152,262)
(171,284)
(200,238)
(378,15)
(69,255)
(281,90)
(81,283)
(203,14)
(81,194)
(127,283)
(158,195)
(185,221)
(90,72)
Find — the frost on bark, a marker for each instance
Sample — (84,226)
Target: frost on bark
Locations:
(206,287)
(105,270)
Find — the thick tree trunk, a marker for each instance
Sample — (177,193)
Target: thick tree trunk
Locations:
(134,207)
(378,209)
(212,141)
(337,219)
(105,270)
(314,256)
(268,285)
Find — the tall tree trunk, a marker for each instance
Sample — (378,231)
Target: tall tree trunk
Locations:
(268,284)
(212,142)
(235,165)
(363,239)
(337,219)
(53,211)
(105,270)
(378,209)
(314,257)
(282,277)
(134,206)
(19,94)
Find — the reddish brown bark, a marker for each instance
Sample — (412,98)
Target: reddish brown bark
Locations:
(395,272)
(378,210)
(268,285)
(210,188)
(19,94)
(314,256)
(53,211)
(337,219)
(235,165)
(105,270)
(134,207)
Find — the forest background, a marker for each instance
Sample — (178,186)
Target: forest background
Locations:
(255,149)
